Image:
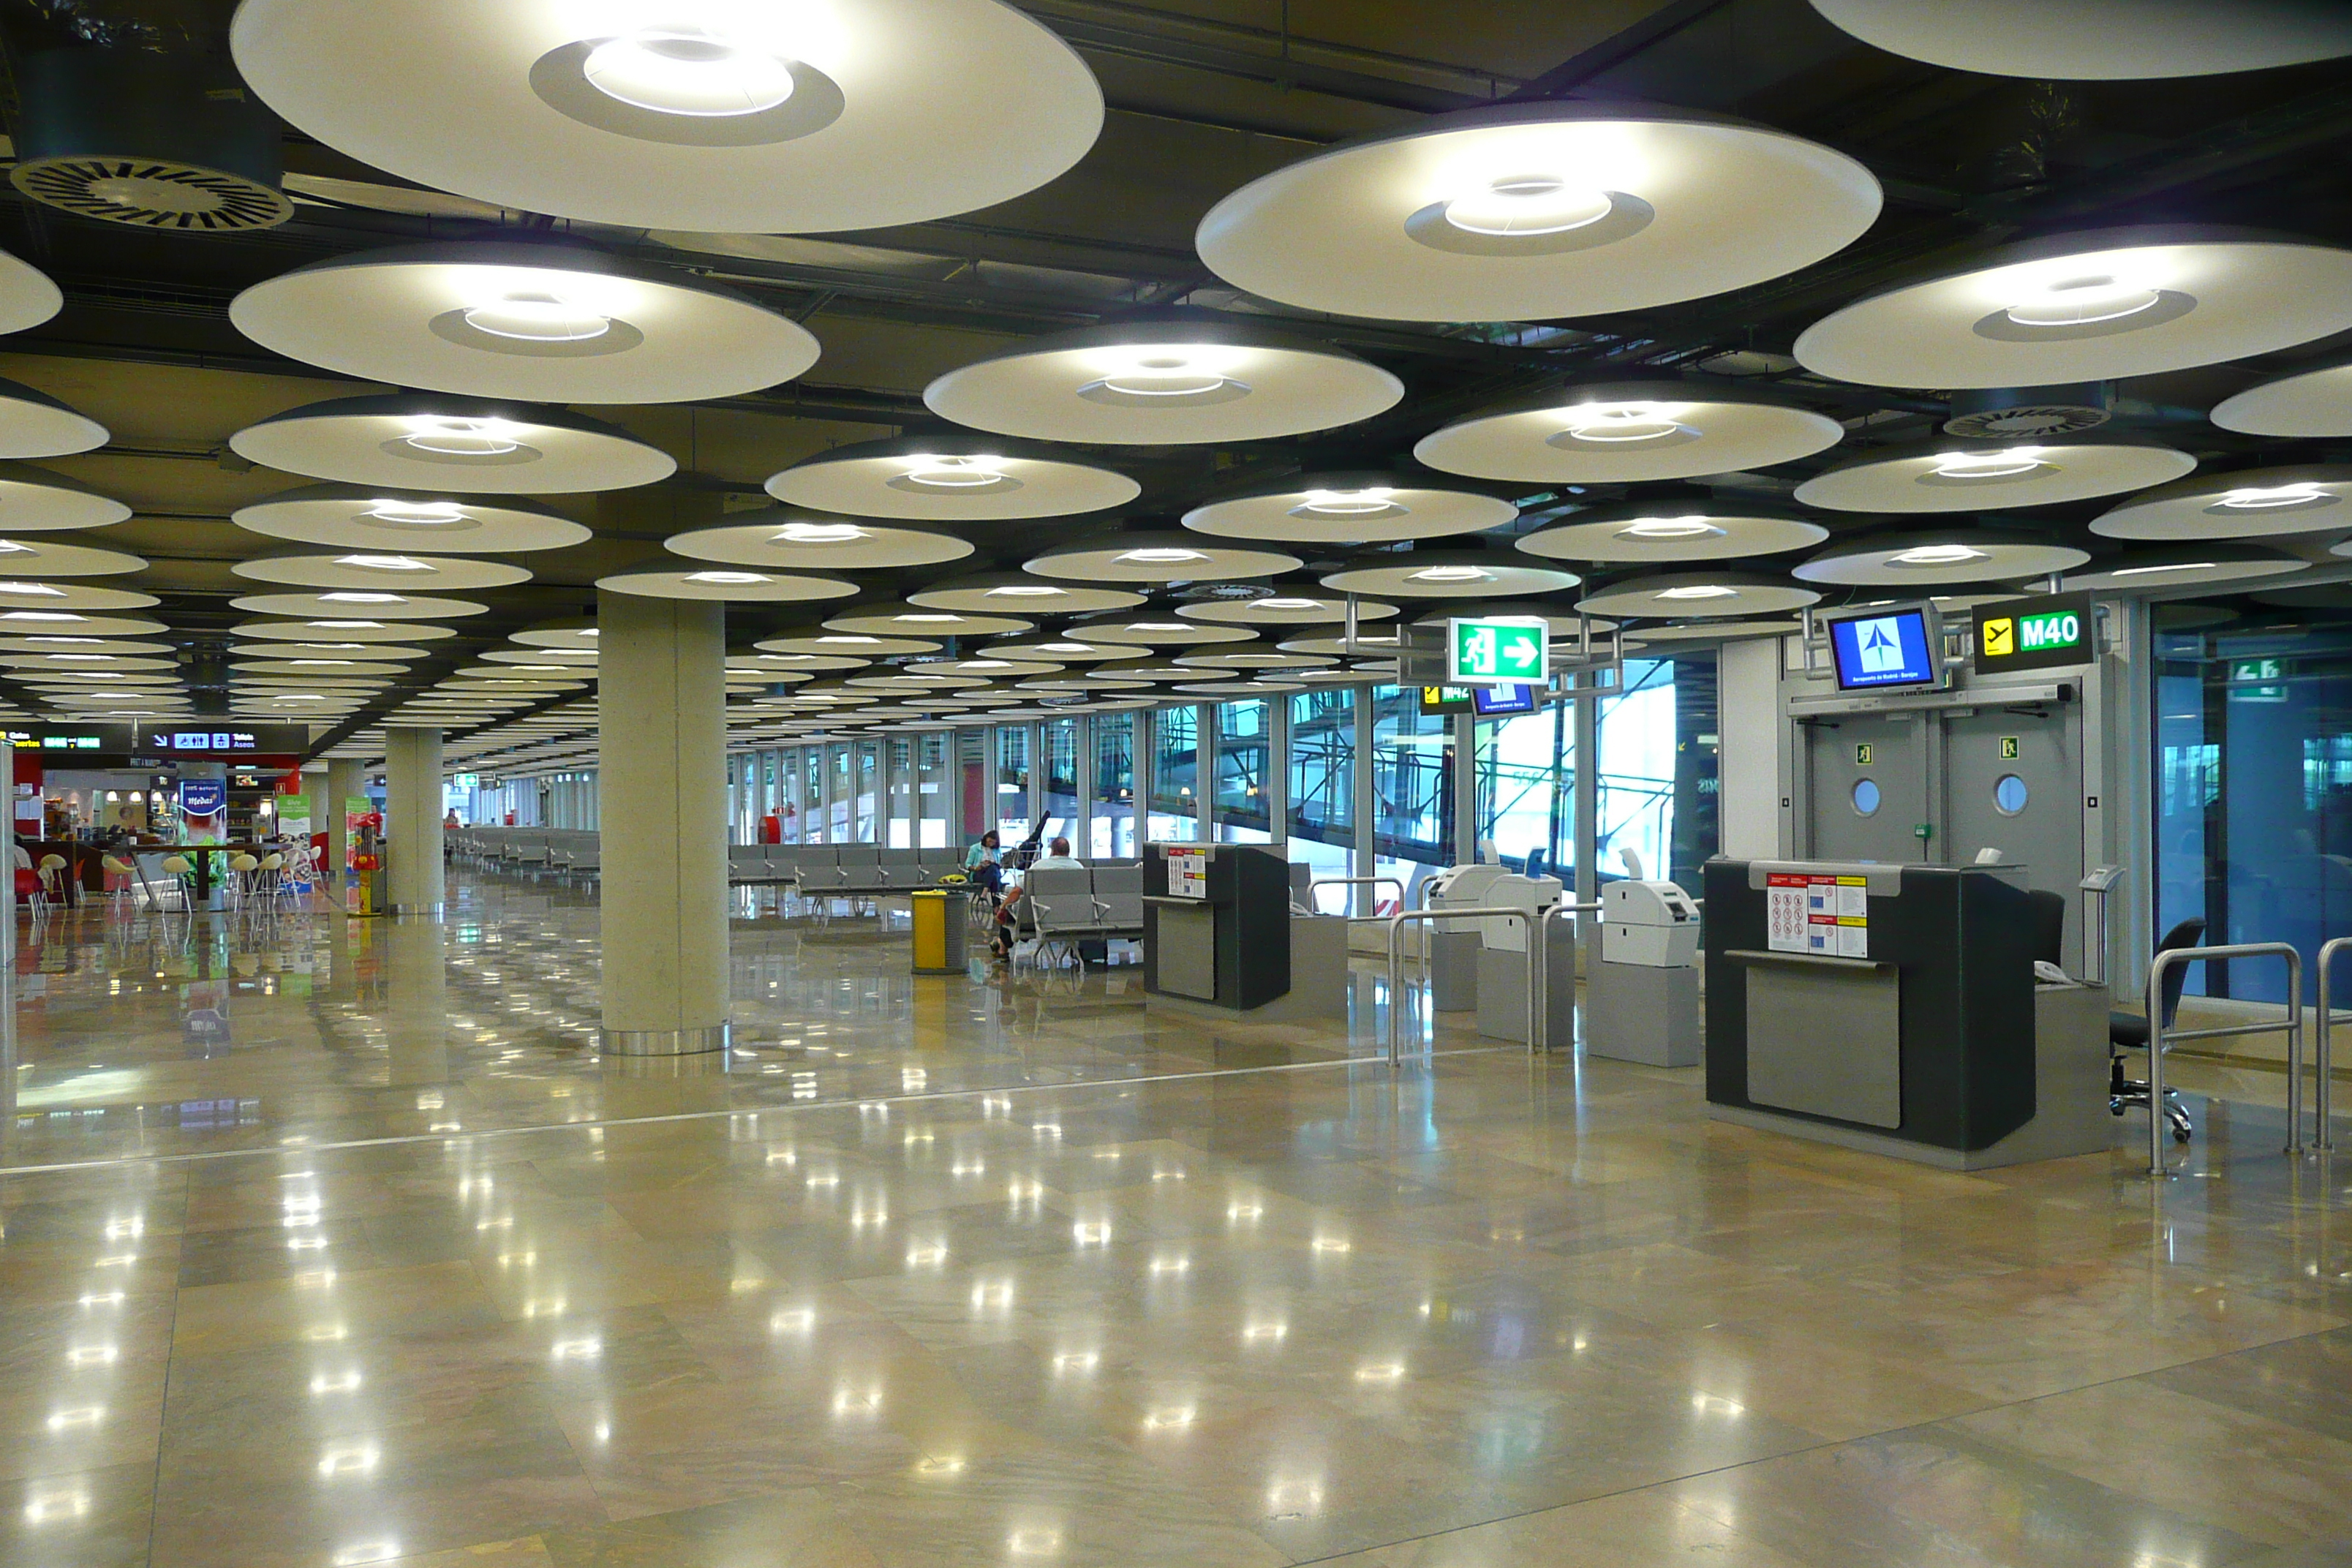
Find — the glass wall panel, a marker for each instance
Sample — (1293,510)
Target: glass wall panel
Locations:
(869,797)
(1527,789)
(1656,773)
(900,751)
(1322,802)
(1245,750)
(1175,774)
(1412,787)
(1012,781)
(790,785)
(1112,822)
(1060,739)
(838,790)
(932,796)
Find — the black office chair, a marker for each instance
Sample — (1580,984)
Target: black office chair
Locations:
(2048,913)
(2129,1032)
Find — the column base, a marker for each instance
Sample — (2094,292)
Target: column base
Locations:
(664,1042)
(431,911)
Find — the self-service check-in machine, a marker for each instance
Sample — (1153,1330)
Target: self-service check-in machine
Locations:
(1503,959)
(1643,998)
(1454,944)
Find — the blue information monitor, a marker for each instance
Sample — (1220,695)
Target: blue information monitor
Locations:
(1901,646)
(1494,702)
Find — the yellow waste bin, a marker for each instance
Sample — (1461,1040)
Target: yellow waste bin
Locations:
(940,933)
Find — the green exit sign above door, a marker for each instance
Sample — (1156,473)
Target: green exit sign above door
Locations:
(1502,651)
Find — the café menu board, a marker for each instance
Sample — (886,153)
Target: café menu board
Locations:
(1825,915)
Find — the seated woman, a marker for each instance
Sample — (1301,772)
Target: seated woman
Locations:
(983,863)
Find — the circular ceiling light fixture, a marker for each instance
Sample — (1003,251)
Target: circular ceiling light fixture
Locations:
(23,603)
(1535,210)
(340,631)
(1711,596)
(1944,475)
(1447,575)
(1628,431)
(1712,631)
(998,593)
(2254,503)
(2184,566)
(1672,531)
(27,296)
(788,540)
(1150,557)
(305,569)
(1351,508)
(2099,40)
(356,515)
(1169,378)
(1934,559)
(951,477)
(711,115)
(897,622)
(756,588)
(1285,608)
(329,611)
(1157,629)
(547,322)
(34,425)
(2089,307)
(61,559)
(408,441)
(34,500)
(2310,403)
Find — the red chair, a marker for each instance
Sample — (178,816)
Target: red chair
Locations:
(30,889)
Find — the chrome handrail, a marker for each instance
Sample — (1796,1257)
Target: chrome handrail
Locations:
(2323,1050)
(1396,882)
(1396,929)
(2158,1036)
(1543,990)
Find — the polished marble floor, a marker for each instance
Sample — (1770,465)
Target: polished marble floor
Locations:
(332,1243)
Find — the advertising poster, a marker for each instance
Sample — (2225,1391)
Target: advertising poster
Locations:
(204,808)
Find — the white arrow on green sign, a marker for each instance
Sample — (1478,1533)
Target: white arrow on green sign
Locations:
(1502,651)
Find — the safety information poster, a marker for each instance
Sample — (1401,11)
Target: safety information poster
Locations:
(1819,914)
(1188,873)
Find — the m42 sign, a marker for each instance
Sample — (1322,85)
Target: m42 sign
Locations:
(2050,632)
(1502,651)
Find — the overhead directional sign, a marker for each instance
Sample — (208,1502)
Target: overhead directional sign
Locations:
(2046,633)
(1502,651)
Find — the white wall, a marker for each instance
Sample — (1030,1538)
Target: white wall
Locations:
(1750,722)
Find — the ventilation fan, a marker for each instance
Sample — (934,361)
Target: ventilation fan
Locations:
(136,138)
(2013,413)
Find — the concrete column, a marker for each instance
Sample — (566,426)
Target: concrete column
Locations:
(345,782)
(411,817)
(662,692)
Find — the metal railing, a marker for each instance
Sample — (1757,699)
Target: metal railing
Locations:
(1396,882)
(2160,1038)
(1538,924)
(2324,1051)
(1543,983)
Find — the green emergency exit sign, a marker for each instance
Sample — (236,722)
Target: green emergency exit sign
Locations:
(1511,651)
(2044,633)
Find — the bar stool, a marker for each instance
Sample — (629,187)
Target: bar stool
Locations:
(121,881)
(53,878)
(182,872)
(272,877)
(32,892)
(242,877)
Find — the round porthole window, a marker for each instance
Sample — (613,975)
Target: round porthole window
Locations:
(2009,795)
(1865,797)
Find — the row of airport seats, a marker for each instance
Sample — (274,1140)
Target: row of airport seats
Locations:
(562,851)
(841,870)
(1063,907)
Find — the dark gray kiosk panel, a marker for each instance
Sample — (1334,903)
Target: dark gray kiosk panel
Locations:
(1216,925)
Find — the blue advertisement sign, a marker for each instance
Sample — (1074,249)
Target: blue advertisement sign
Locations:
(202,797)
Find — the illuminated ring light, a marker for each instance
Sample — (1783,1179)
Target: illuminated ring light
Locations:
(910,622)
(1934,560)
(303,630)
(397,572)
(1228,690)
(313,669)
(1536,211)
(1258,657)
(415,441)
(2311,403)
(1711,631)
(360,605)
(951,477)
(40,558)
(1370,508)
(2252,503)
(1281,607)
(795,542)
(27,603)
(1671,530)
(858,648)
(994,593)
(1157,557)
(27,296)
(1949,474)
(1171,378)
(34,425)
(443,522)
(1699,595)
(34,500)
(1449,574)
(1156,628)
(579,634)
(2184,566)
(1627,432)
(799,120)
(339,648)
(542,323)
(2099,40)
(2089,307)
(66,660)
(1061,649)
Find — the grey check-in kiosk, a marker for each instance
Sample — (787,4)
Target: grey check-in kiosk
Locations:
(1894,1008)
(1216,925)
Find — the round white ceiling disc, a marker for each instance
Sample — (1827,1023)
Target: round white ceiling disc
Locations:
(1682,595)
(414,441)
(1255,658)
(741,118)
(2184,566)
(1670,531)
(859,647)
(2252,503)
(34,500)
(1449,574)
(36,558)
(1232,689)
(1534,211)
(795,542)
(1156,628)
(918,621)
(534,323)
(951,477)
(1350,508)
(444,523)
(2099,40)
(1712,631)
(1934,560)
(1627,432)
(741,586)
(17,620)
(27,297)
(1562,618)
(2307,404)
(52,598)
(792,665)
(1950,474)
(315,669)
(1151,557)
(285,650)
(997,592)
(358,604)
(66,643)
(34,425)
(69,662)
(1281,607)
(341,631)
(580,635)
(392,571)
(1056,649)
(1164,382)
(2089,307)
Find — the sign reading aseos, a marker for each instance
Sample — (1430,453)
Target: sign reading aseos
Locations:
(2046,632)
(1504,650)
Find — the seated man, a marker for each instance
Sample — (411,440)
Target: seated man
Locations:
(1057,857)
